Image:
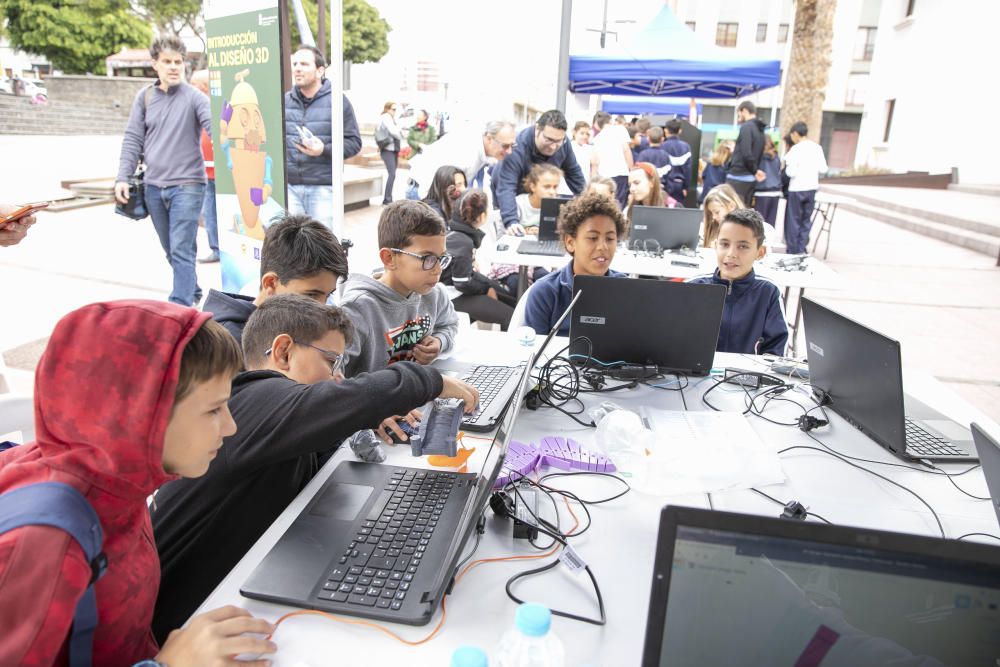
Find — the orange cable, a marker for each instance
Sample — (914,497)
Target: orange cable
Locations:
(350,621)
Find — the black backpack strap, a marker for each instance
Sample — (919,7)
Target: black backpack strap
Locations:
(61,506)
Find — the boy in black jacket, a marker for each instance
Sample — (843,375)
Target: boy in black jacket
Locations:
(290,404)
(299,256)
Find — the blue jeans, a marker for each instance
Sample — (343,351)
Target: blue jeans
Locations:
(211,216)
(316,201)
(174,210)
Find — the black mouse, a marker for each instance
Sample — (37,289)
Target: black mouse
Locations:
(502,246)
(406,428)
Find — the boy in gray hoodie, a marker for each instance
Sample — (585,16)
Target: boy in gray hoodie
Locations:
(404,314)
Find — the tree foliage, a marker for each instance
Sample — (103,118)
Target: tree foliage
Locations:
(75,36)
(366,33)
(170,17)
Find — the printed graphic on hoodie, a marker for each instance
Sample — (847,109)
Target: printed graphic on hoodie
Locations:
(404,338)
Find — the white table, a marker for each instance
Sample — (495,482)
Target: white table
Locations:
(620,545)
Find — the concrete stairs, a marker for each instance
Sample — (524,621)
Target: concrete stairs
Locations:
(19,116)
(962,217)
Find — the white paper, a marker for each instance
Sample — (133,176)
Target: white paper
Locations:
(704,452)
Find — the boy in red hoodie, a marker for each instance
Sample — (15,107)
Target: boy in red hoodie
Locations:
(128,396)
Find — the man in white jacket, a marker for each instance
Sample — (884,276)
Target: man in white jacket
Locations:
(804,163)
(470,152)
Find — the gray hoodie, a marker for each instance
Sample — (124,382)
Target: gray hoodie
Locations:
(388,325)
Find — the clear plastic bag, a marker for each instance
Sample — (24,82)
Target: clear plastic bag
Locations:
(367,446)
(622,436)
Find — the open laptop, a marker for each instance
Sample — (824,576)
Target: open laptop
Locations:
(670,228)
(548,241)
(672,325)
(859,371)
(496,385)
(989,454)
(383,541)
(734,589)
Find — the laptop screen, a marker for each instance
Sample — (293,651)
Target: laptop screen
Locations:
(671,228)
(859,370)
(736,597)
(548,218)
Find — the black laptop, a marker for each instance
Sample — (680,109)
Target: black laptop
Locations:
(659,228)
(632,320)
(859,371)
(989,454)
(548,241)
(734,589)
(382,541)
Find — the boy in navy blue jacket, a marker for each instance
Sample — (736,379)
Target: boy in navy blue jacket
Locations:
(753,319)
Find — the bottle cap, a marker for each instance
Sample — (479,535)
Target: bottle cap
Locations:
(533,619)
(526,336)
(469,656)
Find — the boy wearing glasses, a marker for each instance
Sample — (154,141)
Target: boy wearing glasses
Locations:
(403,314)
(291,404)
(753,320)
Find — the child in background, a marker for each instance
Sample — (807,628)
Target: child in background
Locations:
(715,171)
(542,182)
(644,189)
(602,186)
(447,186)
(483,299)
(720,201)
(768,191)
(403,315)
(590,227)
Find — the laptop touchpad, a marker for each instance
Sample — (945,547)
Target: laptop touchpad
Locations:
(949,429)
(341,501)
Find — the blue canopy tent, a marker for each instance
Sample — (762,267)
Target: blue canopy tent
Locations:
(667,59)
(625,104)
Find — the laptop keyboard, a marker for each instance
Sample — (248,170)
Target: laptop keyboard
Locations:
(489,380)
(920,442)
(379,565)
(534,247)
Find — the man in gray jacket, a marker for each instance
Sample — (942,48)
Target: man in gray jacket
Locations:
(164,129)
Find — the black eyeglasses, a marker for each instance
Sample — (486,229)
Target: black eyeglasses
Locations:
(335,360)
(427,262)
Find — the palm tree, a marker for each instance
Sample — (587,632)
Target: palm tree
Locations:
(809,65)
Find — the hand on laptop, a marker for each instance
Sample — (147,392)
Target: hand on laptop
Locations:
(427,350)
(216,638)
(457,389)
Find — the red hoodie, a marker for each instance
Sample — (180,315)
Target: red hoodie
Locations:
(104,390)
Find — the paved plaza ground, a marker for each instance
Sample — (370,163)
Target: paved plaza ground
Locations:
(941,301)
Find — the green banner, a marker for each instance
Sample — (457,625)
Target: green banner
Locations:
(245,68)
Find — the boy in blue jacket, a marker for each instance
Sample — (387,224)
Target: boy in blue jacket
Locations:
(753,319)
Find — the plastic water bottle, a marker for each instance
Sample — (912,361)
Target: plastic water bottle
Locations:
(530,643)
(469,656)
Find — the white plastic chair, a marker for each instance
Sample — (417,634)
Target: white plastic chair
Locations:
(517,319)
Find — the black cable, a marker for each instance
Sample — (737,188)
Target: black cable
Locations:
(475,547)
(872,472)
(961,490)
(962,537)
(559,382)
(597,590)
(584,472)
(940,472)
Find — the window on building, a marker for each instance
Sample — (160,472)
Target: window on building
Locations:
(857,86)
(864,48)
(691,25)
(761,32)
(782,33)
(890,108)
(725,34)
